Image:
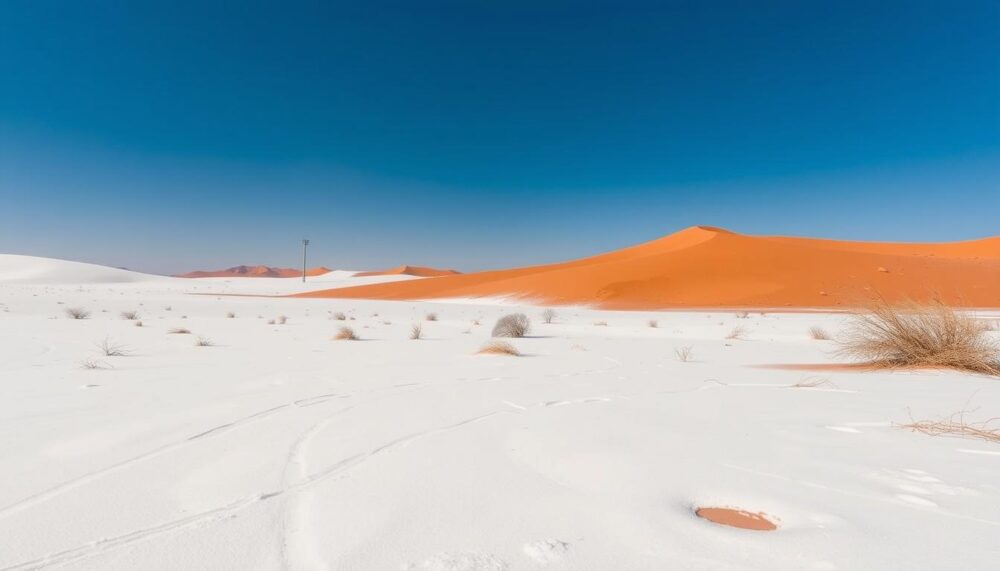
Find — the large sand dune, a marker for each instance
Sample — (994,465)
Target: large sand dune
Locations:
(15,269)
(711,267)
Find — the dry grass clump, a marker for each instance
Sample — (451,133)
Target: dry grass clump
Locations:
(499,348)
(203,342)
(818,333)
(339,316)
(653,323)
(742,315)
(109,348)
(138,324)
(956,425)
(684,353)
(93,364)
(513,325)
(914,335)
(130,315)
(345,334)
(548,315)
(416,330)
(77,313)
(179,331)
(814,383)
(231,315)
(431,317)
(282,319)
(737,333)
(601,323)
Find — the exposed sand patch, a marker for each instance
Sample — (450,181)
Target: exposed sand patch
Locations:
(737,518)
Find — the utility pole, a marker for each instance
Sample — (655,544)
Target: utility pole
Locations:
(305,244)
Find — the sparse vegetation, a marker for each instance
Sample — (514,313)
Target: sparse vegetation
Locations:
(818,333)
(653,323)
(416,331)
(684,353)
(179,331)
(77,313)
(339,316)
(109,348)
(282,319)
(138,324)
(92,364)
(203,342)
(736,333)
(742,315)
(812,383)
(431,317)
(231,314)
(548,315)
(513,325)
(914,335)
(956,425)
(499,348)
(130,315)
(345,334)
(601,323)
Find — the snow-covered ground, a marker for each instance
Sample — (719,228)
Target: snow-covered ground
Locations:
(278,448)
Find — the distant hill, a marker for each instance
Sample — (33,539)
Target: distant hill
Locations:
(419,271)
(254,272)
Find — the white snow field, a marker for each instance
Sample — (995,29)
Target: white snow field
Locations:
(279,448)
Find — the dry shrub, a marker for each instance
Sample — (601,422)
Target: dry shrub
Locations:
(813,383)
(915,335)
(138,324)
(742,315)
(818,333)
(270,322)
(339,316)
(431,317)
(653,323)
(77,313)
(737,333)
(92,364)
(416,330)
(513,325)
(684,353)
(345,334)
(548,315)
(179,331)
(282,319)
(130,315)
(475,322)
(109,348)
(499,348)
(168,308)
(231,314)
(956,425)
(203,342)
(601,323)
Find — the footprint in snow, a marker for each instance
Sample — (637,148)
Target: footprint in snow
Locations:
(459,562)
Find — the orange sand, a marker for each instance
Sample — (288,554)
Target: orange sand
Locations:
(254,272)
(737,518)
(710,267)
(420,271)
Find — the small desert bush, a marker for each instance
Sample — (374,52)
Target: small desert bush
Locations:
(956,425)
(339,316)
(231,314)
(130,315)
(513,325)
(282,319)
(818,333)
(736,333)
(499,348)
(109,348)
(416,330)
(929,335)
(548,315)
(431,317)
(203,342)
(345,334)
(179,331)
(601,323)
(742,315)
(92,364)
(653,323)
(684,353)
(138,324)
(77,313)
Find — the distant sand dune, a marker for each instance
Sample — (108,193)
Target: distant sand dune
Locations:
(710,267)
(254,272)
(419,271)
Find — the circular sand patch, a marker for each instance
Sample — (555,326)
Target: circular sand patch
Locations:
(737,518)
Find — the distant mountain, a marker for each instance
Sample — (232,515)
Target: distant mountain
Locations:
(254,272)
(420,271)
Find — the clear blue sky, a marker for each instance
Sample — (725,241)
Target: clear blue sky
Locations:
(167,136)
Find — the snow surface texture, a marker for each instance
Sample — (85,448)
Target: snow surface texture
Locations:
(277,448)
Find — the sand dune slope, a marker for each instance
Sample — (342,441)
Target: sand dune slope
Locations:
(15,269)
(418,271)
(711,267)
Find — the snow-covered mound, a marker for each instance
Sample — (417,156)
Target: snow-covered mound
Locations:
(36,270)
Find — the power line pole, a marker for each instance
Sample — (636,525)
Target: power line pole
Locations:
(305,244)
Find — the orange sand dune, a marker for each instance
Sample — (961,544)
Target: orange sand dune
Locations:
(711,267)
(420,271)
(254,272)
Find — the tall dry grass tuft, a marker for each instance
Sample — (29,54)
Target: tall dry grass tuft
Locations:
(339,316)
(203,342)
(416,331)
(499,348)
(818,333)
(513,325)
(130,315)
(684,353)
(77,313)
(653,323)
(548,315)
(109,348)
(345,334)
(431,317)
(737,333)
(920,335)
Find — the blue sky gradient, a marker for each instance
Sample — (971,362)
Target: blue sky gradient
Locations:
(179,135)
